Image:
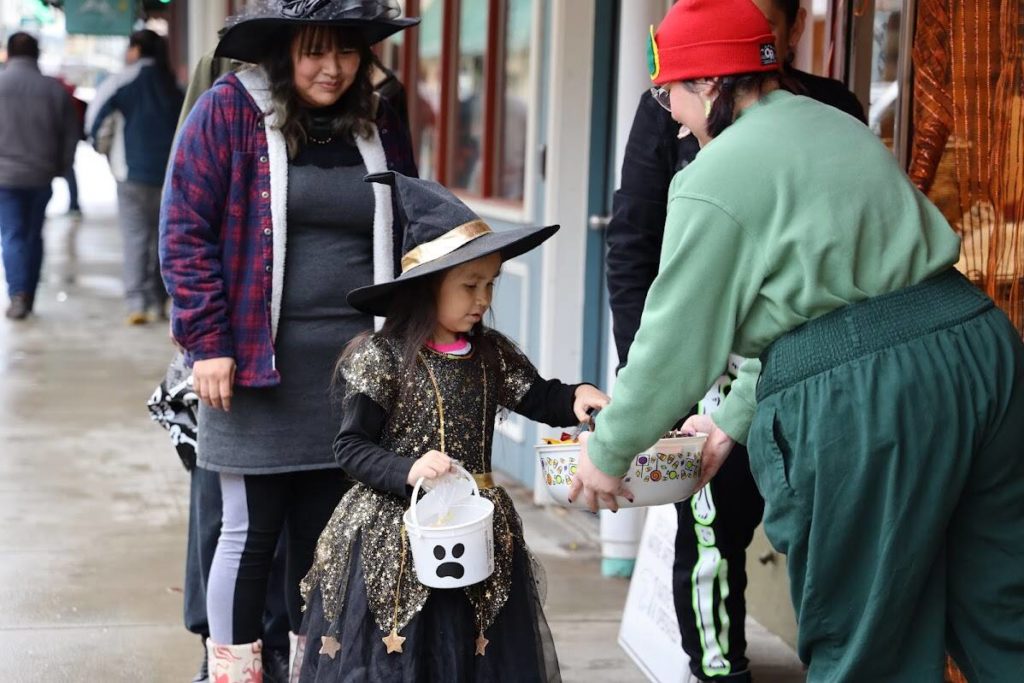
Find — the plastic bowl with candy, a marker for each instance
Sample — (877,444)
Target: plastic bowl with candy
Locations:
(667,472)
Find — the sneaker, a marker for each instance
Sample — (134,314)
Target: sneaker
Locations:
(19,308)
(203,675)
(137,318)
(159,313)
(740,677)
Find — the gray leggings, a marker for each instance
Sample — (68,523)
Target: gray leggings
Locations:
(139,209)
(256,508)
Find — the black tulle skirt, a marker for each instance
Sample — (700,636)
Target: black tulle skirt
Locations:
(440,641)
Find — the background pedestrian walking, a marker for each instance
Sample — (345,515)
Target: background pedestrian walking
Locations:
(148,97)
(39,131)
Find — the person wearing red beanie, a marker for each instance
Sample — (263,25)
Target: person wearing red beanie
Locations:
(701,39)
(716,527)
(883,407)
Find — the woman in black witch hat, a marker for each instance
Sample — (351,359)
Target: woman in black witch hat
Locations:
(272,157)
(422,393)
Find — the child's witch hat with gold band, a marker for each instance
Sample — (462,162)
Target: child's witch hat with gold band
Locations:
(440,233)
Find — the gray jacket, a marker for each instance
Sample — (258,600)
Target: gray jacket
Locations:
(39,128)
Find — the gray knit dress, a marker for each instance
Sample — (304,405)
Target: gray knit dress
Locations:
(291,427)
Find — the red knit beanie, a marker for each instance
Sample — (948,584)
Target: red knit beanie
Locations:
(706,38)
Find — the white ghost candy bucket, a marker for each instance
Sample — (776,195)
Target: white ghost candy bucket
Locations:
(451,532)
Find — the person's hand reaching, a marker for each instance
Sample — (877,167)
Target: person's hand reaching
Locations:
(588,398)
(597,488)
(716,448)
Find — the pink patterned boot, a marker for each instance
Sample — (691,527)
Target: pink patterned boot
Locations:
(235,663)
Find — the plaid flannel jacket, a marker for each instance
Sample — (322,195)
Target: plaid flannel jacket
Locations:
(216,228)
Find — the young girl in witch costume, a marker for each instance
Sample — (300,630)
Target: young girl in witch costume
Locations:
(431,380)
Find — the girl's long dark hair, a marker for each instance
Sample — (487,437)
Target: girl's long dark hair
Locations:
(354,112)
(154,46)
(410,322)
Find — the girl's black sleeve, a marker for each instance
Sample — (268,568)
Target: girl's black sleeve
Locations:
(357,452)
(549,401)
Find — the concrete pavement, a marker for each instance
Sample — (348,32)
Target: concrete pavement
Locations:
(93,501)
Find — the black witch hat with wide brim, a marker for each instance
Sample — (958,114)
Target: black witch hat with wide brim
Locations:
(440,233)
(247,36)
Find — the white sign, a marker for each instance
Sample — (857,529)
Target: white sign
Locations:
(650,628)
(650,631)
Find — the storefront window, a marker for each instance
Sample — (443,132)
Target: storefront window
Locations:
(514,103)
(885,56)
(468,76)
(426,88)
(468,124)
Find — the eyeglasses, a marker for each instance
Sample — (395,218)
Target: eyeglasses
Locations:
(661,96)
(661,93)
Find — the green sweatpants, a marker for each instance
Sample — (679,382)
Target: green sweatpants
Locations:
(888,443)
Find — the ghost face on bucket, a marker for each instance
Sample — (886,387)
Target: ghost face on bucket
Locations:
(455,562)
(453,568)
(451,533)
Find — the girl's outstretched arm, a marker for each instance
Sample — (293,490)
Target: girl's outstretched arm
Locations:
(550,401)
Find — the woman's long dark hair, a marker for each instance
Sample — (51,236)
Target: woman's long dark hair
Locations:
(410,322)
(354,111)
(154,46)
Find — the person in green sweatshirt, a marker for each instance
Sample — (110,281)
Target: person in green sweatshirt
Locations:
(884,407)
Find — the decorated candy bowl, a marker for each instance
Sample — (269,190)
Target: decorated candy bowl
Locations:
(665,473)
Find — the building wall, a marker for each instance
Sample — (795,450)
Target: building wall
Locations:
(768,597)
(205,19)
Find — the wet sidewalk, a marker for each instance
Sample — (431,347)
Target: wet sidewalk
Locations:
(93,500)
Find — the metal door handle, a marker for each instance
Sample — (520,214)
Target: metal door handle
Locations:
(597,222)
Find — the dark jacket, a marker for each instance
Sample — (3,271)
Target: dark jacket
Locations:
(654,154)
(828,91)
(150,110)
(39,128)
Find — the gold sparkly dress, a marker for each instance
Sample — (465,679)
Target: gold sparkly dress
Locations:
(363,600)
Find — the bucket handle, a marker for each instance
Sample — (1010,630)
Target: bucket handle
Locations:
(459,470)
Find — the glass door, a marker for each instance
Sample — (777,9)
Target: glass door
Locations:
(601,186)
(879,37)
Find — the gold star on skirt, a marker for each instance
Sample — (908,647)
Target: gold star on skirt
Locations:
(329,646)
(393,641)
(481,644)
